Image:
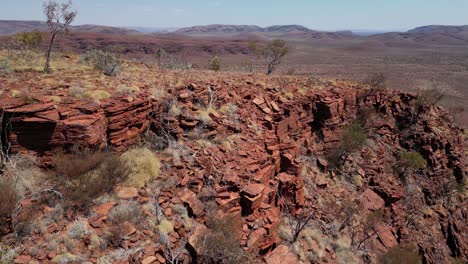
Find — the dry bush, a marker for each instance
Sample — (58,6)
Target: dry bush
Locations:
(125,212)
(429,97)
(376,80)
(143,164)
(86,175)
(78,229)
(401,255)
(105,62)
(222,243)
(5,67)
(310,245)
(8,196)
(29,178)
(8,253)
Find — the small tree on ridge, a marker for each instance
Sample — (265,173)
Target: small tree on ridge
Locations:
(273,53)
(59,17)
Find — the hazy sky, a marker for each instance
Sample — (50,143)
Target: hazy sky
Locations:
(315,14)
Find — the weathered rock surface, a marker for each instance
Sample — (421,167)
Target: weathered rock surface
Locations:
(271,162)
(41,127)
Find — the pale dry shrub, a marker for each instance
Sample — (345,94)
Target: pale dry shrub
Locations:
(165,227)
(107,63)
(78,229)
(96,95)
(5,67)
(309,245)
(127,211)
(29,177)
(143,164)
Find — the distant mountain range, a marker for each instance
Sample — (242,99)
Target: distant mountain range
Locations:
(9,27)
(236,29)
(433,34)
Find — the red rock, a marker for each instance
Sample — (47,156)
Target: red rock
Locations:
(321,181)
(251,198)
(193,202)
(286,179)
(149,260)
(126,192)
(281,255)
(23,259)
(386,236)
(256,237)
(104,209)
(51,255)
(253,189)
(258,101)
(371,201)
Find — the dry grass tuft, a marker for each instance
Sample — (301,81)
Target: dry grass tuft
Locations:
(143,164)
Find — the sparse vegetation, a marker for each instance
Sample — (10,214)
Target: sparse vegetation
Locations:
(222,242)
(107,63)
(273,54)
(8,197)
(353,137)
(78,229)
(29,40)
(214,64)
(5,67)
(7,254)
(125,212)
(85,175)
(376,81)
(429,97)
(401,255)
(59,17)
(410,161)
(143,164)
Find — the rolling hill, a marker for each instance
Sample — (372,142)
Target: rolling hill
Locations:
(9,27)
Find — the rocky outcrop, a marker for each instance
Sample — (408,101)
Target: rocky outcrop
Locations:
(41,127)
(267,159)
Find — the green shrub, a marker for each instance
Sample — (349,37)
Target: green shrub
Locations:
(29,40)
(214,64)
(353,137)
(105,62)
(410,161)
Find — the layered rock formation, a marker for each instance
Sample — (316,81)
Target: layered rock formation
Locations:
(41,127)
(266,160)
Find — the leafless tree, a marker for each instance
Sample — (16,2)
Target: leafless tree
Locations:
(297,221)
(59,17)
